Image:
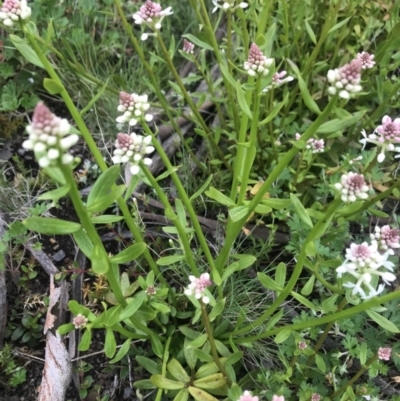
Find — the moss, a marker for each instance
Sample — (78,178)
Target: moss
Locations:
(10,125)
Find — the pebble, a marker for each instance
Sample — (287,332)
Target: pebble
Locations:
(60,255)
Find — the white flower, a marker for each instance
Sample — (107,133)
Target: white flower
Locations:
(132,149)
(227,4)
(363,261)
(257,63)
(386,238)
(134,108)
(14,10)
(48,137)
(197,287)
(316,145)
(352,186)
(345,80)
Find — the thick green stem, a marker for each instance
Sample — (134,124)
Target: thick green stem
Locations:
(181,230)
(295,275)
(96,240)
(213,347)
(189,101)
(325,319)
(94,150)
(233,229)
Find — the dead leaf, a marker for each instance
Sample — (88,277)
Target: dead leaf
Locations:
(396,379)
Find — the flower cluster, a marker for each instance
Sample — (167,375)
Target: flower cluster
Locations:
(132,149)
(257,63)
(278,398)
(352,186)
(48,137)
(302,345)
(346,80)
(188,47)
(363,262)
(13,11)
(385,136)
(197,287)
(246,396)
(386,238)
(315,397)
(316,145)
(384,354)
(79,321)
(227,5)
(134,108)
(151,14)
(278,79)
(367,60)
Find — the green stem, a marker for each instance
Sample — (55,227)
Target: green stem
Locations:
(96,240)
(155,83)
(355,377)
(322,338)
(94,150)
(252,144)
(213,347)
(325,319)
(295,275)
(186,202)
(181,230)
(211,36)
(234,228)
(189,101)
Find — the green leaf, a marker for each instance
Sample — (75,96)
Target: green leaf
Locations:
(44,225)
(94,99)
(198,42)
(24,48)
(102,203)
(275,319)
(177,372)
(103,184)
(274,112)
(268,282)
(382,321)
(238,213)
(65,328)
(307,289)
(242,100)
(202,189)
(363,353)
(225,72)
(340,124)
(232,359)
(280,274)
(132,307)
(183,395)
(190,356)
(84,243)
(112,316)
(338,25)
(52,86)
(203,356)
(110,344)
(199,341)
(144,385)
(130,253)
(200,395)
(308,100)
(300,210)
(55,194)
(170,260)
(217,309)
(304,301)
(156,345)
(282,336)
(212,382)
(86,339)
(151,366)
(310,32)
(277,204)
(320,363)
(209,369)
(106,219)
(218,196)
(122,351)
(166,384)
(99,259)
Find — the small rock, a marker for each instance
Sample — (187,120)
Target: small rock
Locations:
(128,391)
(60,255)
